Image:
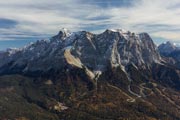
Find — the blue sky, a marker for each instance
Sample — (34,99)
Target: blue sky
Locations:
(30,20)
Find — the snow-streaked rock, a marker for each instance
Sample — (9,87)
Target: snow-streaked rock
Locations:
(84,50)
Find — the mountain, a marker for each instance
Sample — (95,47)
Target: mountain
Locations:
(171,51)
(2,53)
(119,48)
(116,74)
(167,48)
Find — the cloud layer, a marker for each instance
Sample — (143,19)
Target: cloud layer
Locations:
(24,19)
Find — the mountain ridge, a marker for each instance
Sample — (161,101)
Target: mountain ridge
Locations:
(116,74)
(63,40)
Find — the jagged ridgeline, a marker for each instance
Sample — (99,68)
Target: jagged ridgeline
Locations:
(117,74)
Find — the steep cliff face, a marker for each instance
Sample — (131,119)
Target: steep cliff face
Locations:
(95,51)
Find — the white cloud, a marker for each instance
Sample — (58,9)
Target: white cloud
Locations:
(168,35)
(48,16)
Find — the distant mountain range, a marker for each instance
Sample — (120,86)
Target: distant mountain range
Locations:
(170,50)
(167,48)
(117,74)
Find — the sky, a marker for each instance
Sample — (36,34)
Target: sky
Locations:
(23,21)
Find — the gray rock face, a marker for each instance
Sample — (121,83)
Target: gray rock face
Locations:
(171,52)
(167,48)
(84,49)
(2,54)
(175,54)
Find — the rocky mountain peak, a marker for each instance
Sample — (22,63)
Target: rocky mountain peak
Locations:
(166,48)
(63,33)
